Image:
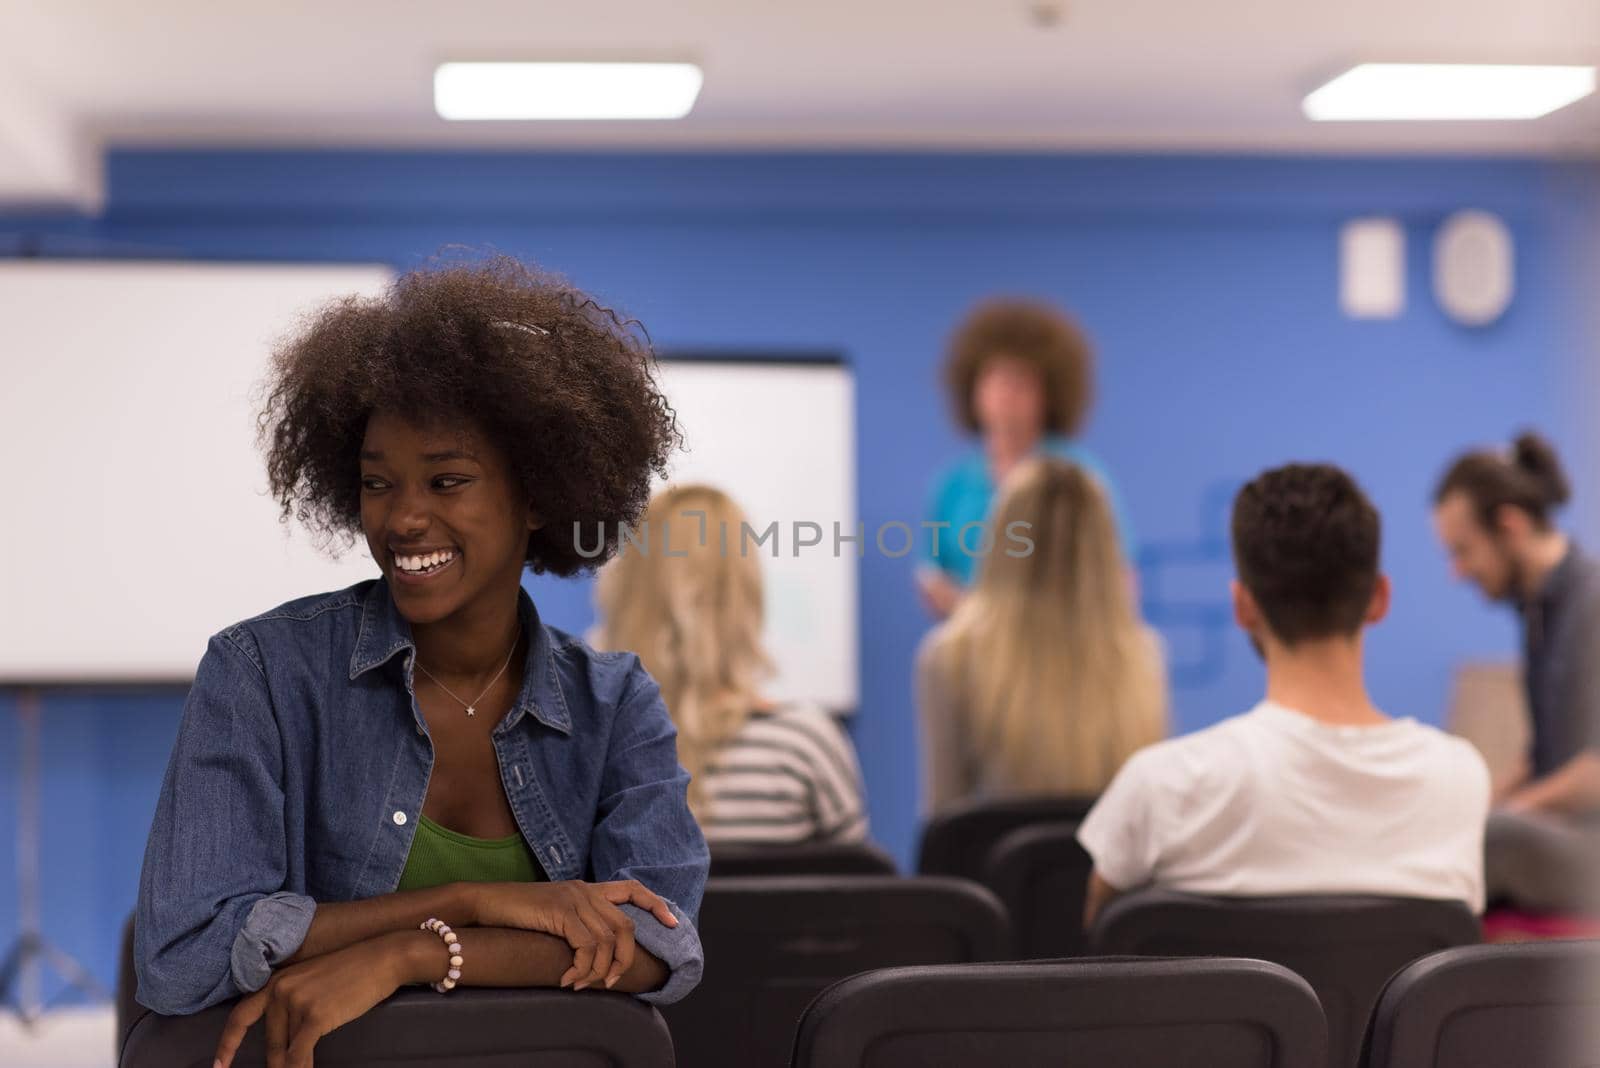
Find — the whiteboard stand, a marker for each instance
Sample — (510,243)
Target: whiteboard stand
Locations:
(20,968)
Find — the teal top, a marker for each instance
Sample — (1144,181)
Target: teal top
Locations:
(439,855)
(964,493)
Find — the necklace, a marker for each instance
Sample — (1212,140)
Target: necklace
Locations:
(472,706)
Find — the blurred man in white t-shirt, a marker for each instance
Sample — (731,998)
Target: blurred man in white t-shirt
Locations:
(1314,791)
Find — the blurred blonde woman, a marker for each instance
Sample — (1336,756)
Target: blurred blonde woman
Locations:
(1044,680)
(761,773)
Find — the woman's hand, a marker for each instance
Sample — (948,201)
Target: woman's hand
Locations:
(584,914)
(940,593)
(302,1002)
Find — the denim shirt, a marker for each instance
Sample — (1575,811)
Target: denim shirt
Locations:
(300,770)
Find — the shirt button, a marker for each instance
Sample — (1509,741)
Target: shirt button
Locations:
(399,819)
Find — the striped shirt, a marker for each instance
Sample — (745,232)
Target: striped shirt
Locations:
(790,775)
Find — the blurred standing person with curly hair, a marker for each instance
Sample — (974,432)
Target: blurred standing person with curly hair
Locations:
(1494,515)
(691,603)
(1021,377)
(420,746)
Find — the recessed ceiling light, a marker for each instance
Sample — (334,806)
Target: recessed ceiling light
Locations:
(1388,91)
(565,90)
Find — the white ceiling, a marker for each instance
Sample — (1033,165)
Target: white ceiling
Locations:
(1117,75)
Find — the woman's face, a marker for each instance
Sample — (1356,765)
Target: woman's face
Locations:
(443,515)
(1008,397)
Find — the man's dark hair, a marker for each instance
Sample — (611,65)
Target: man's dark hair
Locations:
(1305,543)
(1530,479)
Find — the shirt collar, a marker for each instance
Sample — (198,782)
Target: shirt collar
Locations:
(385,632)
(1560,580)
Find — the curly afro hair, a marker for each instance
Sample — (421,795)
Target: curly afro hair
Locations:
(563,386)
(1036,333)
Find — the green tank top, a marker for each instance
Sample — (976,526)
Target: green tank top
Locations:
(439,855)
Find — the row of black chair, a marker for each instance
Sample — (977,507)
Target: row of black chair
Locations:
(1118,1011)
(778,942)
(1026,852)
(1346,947)
(1529,1006)
(1532,1006)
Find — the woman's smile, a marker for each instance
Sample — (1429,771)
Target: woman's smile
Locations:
(413,569)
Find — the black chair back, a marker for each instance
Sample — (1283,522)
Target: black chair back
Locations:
(1346,947)
(957,842)
(772,944)
(1040,874)
(810,858)
(1087,1013)
(420,1029)
(128,1010)
(1534,1005)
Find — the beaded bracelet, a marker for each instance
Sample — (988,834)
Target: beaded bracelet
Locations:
(452,944)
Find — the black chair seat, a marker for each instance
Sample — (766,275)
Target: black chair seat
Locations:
(810,858)
(417,1028)
(773,944)
(957,842)
(1067,1014)
(1346,947)
(1040,874)
(127,1009)
(472,1028)
(1506,1006)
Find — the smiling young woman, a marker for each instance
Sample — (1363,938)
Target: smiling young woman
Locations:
(414,779)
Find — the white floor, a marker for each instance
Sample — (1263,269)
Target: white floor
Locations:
(65,1038)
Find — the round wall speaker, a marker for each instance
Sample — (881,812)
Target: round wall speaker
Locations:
(1473,267)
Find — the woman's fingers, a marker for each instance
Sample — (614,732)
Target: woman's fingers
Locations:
(302,1043)
(277,1029)
(623,954)
(633,892)
(240,1020)
(294,1010)
(581,939)
(600,933)
(605,943)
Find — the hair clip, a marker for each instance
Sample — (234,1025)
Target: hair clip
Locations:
(525,328)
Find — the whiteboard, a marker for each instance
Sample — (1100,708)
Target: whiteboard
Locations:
(141,519)
(138,521)
(779,438)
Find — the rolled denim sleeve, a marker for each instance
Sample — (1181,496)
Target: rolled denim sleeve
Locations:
(273,929)
(676,947)
(214,915)
(646,832)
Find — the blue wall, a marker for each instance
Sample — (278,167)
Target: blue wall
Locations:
(1209,284)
